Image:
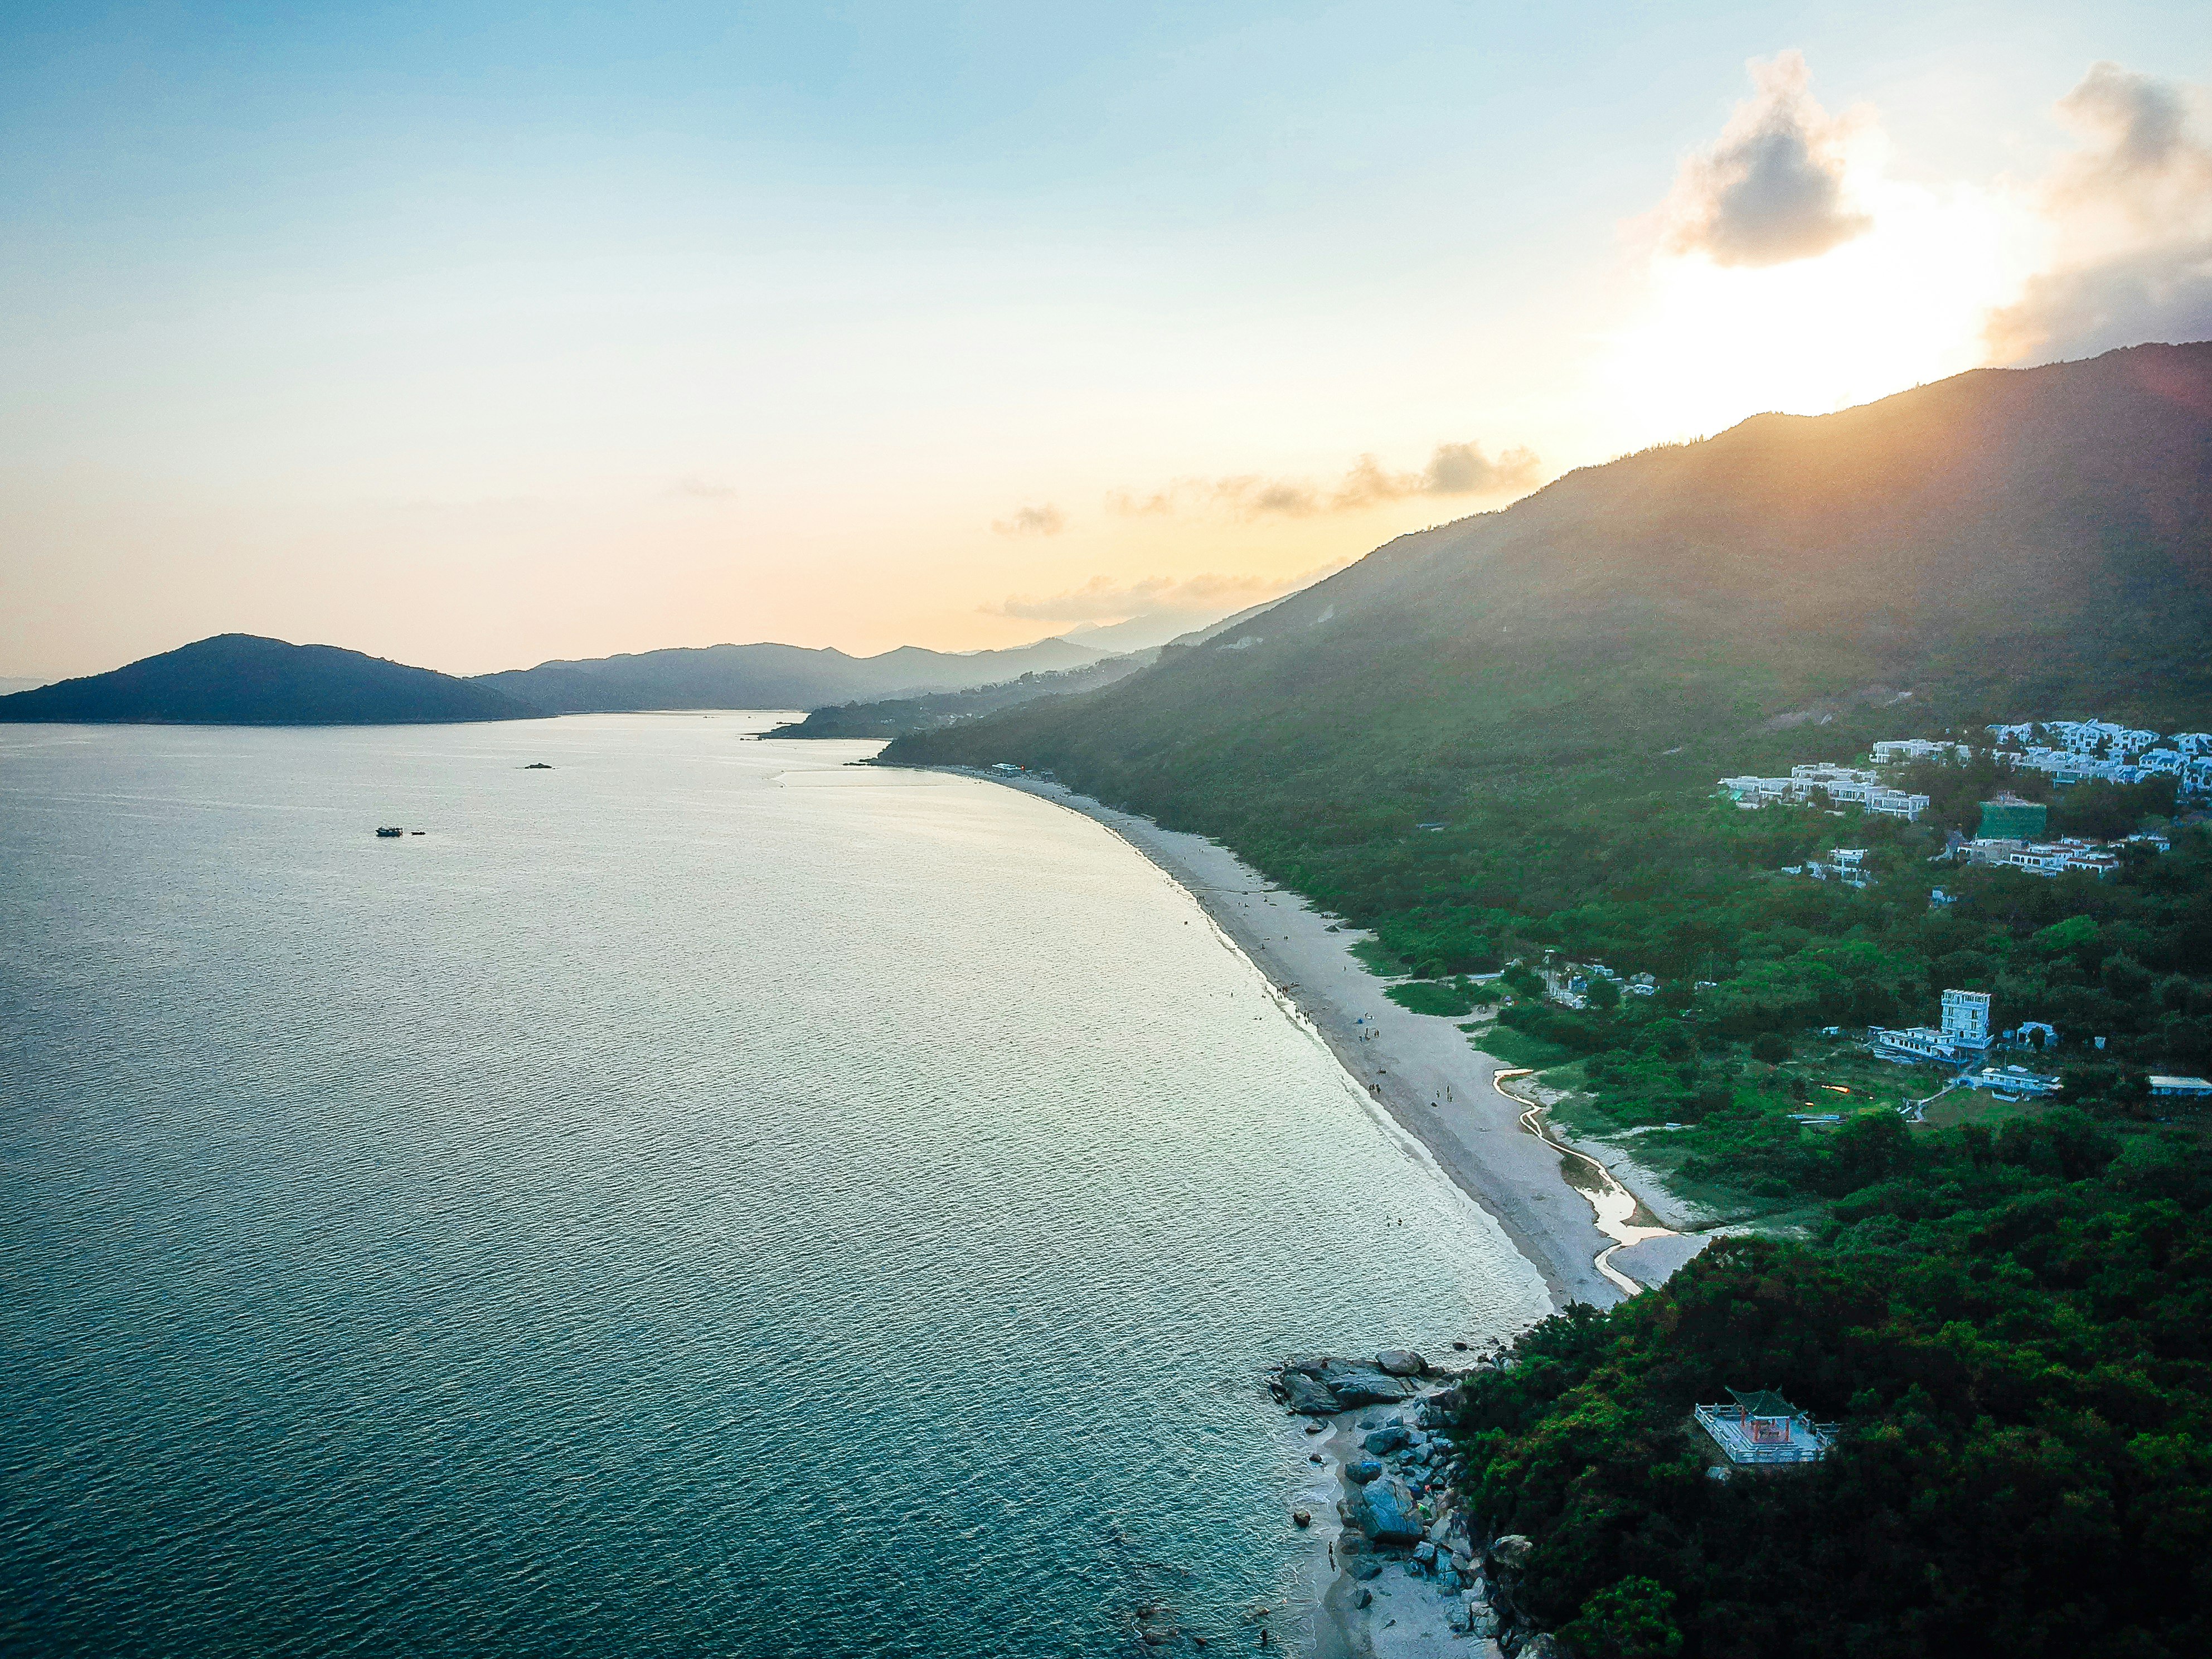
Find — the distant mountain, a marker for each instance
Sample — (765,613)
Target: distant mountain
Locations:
(240,680)
(8,686)
(2006,542)
(898,716)
(771,675)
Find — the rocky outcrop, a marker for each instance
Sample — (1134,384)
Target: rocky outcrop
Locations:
(1344,1384)
(1400,1362)
(1386,1512)
(1308,1395)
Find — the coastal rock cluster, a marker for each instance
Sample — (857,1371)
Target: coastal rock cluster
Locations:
(1400,1509)
(1325,1386)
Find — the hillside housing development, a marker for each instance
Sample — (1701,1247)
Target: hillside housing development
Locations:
(2077,752)
(1844,786)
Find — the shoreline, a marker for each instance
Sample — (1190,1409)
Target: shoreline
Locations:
(1564,1210)
(1431,1080)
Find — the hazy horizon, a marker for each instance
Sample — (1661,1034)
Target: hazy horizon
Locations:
(479,339)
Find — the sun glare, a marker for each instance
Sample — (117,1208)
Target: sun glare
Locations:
(1905,302)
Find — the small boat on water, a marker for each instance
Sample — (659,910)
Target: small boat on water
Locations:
(388,834)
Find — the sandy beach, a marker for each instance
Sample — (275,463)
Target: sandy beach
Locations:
(1421,1069)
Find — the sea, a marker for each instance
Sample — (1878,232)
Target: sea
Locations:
(691,1194)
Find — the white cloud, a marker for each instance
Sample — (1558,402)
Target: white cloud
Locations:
(1044,520)
(2130,216)
(1772,188)
(1460,469)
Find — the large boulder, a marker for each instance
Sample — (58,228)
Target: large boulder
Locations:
(1386,1512)
(1364,1470)
(1388,1438)
(1513,1552)
(1399,1362)
(1363,1385)
(1308,1395)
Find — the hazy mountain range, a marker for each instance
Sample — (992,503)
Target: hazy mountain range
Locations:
(243,680)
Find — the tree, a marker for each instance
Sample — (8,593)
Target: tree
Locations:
(1632,1619)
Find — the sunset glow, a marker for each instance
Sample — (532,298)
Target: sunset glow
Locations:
(949,328)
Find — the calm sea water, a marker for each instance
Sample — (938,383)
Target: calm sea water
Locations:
(700,1199)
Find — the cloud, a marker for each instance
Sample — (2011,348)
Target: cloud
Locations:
(1045,521)
(1453,470)
(1770,190)
(1103,598)
(2130,213)
(701,488)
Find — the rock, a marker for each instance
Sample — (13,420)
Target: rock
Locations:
(1546,1646)
(1365,1385)
(1463,1563)
(1387,1439)
(1513,1552)
(1399,1362)
(1313,1457)
(1366,1567)
(1301,1518)
(1364,1470)
(1424,1551)
(1460,1620)
(1482,1622)
(1361,1595)
(1317,1427)
(1386,1512)
(1307,1396)
(1449,1578)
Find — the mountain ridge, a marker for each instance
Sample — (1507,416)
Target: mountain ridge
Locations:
(2005,540)
(246,679)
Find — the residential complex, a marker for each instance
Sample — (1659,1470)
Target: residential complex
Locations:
(1844,786)
(1963,1034)
(2076,751)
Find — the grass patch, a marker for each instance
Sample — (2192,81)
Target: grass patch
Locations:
(1440,997)
(1519,1048)
(1977,1106)
(1379,959)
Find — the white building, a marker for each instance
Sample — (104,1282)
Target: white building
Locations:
(2047,858)
(1892,751)
(2181,1088)
(1844,787)
(2012,1080)
(1964,1034)
(1967,1017)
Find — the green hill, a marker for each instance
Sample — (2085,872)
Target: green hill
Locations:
(241,679)
(2005,543)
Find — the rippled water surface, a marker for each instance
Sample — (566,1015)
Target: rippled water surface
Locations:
(699,1199)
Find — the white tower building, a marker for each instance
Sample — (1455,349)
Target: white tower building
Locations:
(1967,1017)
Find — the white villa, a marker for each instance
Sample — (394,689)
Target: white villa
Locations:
(1846,786)
(1964,1034)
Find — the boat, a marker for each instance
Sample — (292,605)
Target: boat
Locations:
(389,834)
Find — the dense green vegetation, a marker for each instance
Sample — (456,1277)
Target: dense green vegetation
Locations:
(2016,1331)
(897,716)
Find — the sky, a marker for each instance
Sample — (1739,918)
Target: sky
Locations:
(478,335)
